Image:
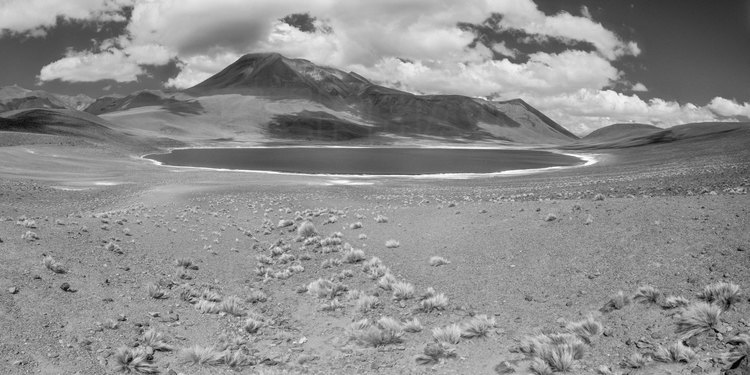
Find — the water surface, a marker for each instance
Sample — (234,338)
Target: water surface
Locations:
(367,161)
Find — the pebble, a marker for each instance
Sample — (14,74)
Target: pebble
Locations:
(13,290)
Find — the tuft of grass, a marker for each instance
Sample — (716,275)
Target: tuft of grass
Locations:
(634,360)
(134,360)
(356,225)
(672,302)
(232,305)
(156,341)
(328,263)
(647,294)
(323,288)
(353,256)
(186,263)
(238,359)
(252,326)
(434,352)
(450,334)
(617,302)
(306,230)
(387,331)
(386,281)
(437,261)
(585,329)
(207,307)
(725,295)
(697,318)
(201,355)
(436,302)
(392,244)
(539,366)
(155,292)
(53,265)
(677,352)
(478,326)
(402,291)
(332,305)
(412,326)
(367,303)
(559,351)
(381,219)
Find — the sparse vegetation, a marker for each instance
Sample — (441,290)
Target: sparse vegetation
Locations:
(386,332)
(676,352)
(402,291)
(436,261)
(634,360)
(724,295)
(353,256)
(392,244)
(697,318)
(478,326)
(154,291)
(186,263)
(381,219)
(201,355)
(649,295)
(617,302)
(156,341)
(323,288)
(436,302)
(585,329)
(559,351)
(672,302)
(306,230)
(412,326)
(434,353)
(366,303)
(252,326)
(134,360)
(450,334)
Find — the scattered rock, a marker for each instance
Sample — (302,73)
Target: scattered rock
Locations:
(504,367)
(589,220)
(66,288)
(550,217)
(13,290)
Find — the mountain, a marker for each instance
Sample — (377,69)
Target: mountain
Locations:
(633,135)
(385,111)
(15,97)
(176,103)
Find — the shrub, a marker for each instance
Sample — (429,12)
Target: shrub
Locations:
(635,360)
(698,318)
(186,263)
(676,352)
(649,295)
(200,355)
(353,256)
(306,229)
(402,291)
(434,352)
(356,225)
(381,219)
(366,303)
(155,292)
(436,261)
(671,302)
(386,281)
(617,302)
(478,326)
(450,334)
(412,326)
(436,302)
(252,325)
(156,341)
(585,329)
(134,360)
(725,295)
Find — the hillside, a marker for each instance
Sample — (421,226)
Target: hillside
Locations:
(15,97)
(633,135)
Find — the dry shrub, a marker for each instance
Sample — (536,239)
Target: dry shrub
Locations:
(724,295)
(617,302)
(697,318)
(478,326)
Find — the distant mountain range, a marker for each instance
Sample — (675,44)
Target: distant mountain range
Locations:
(266,97)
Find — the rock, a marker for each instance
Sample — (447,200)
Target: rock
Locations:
(13,290)
(739,248)
(739,367)
(608,332)
(550,217)
(504,367)
(528,298)
(692,342)
(589,220)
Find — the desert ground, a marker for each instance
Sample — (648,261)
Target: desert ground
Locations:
(110,264)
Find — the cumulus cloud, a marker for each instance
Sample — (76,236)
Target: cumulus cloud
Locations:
(34,16)
(414,45)
(91,67)
(729,108)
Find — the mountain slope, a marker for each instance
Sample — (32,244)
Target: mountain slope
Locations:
(175,103)
(633,135)
(388,111)
(15,97)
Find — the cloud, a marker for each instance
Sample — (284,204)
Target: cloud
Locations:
(639,87)
(34,16)
(729,108)
(585,110)
(91,67)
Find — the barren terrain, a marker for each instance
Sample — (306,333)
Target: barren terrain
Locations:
(531,253)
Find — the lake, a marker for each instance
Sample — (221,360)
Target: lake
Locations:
(365,160)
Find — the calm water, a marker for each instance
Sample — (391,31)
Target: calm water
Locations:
(375,161)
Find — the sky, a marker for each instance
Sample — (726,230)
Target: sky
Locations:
(584,63)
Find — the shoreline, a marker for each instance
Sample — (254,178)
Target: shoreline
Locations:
(587,160)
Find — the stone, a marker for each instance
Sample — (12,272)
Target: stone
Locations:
(13,290)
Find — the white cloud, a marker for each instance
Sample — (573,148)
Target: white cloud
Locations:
(90,67)
(639,87)
(33,16)
(729,108)
(586,110)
